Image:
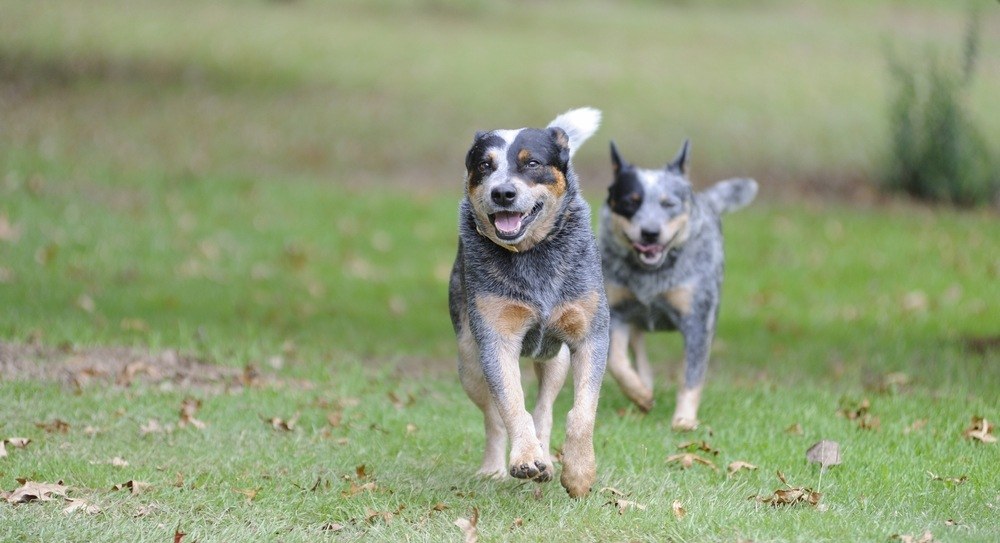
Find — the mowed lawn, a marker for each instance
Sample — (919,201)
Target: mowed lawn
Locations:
(226,231)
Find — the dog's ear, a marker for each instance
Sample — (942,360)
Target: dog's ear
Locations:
(561,140)
(680,162)
(616,160)
(578,124)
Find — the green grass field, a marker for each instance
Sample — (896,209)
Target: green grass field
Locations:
(270,189)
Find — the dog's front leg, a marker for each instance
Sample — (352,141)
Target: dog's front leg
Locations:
(623,372)
(579,463)
(551,376)
(698,334)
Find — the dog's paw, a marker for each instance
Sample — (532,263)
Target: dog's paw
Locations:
(683,424)
(536,471)
(577,481)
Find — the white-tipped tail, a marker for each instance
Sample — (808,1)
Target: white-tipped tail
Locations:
(579,124)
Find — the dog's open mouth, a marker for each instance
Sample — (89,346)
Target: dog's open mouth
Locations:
(511,224)
(649,253)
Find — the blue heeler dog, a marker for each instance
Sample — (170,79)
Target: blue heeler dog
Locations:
(527,282)
(661,246)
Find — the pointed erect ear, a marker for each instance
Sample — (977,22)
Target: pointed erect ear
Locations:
(680,162)
(616,160)
(478,135)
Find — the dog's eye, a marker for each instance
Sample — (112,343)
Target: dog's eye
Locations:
(485,167)
(668,203)
(533,164)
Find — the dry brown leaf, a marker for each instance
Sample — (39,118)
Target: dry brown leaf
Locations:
(143,511)
(189,407)
(795,429)
(31,491)
(789,496)
(825,452)
(154,427)
(926,537)
(853,410)
(282,425)
(698,446)
(372,515)
(739,465)
(518,522)
(249,493)
(613,491)
(332,527)
(400,403)
(335,418)
(78,505)
(686,460)
(361,471)
(55,426)
(469,526)
(357,489)
(135,487)
(981,430)
(678,508)
(178,535)
(439,506)
(16,442)
(953,480)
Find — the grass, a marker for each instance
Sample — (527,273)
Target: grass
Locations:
(275,198)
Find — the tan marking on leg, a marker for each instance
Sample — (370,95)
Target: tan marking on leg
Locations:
(621,369)
(474,382)
(573,318)
(579,462)
(510,318)
(680,298)
(617,294)
(551,376)
(637,342)
(686,413)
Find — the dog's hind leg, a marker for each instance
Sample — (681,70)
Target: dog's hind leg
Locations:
(623,372)
(551,376)
(637,342)
(474,382)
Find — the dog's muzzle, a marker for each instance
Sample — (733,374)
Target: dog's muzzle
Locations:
(510,225)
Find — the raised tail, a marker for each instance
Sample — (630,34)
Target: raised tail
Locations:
(729,195)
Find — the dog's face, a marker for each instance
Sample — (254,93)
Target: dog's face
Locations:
(650,209)
(517,180)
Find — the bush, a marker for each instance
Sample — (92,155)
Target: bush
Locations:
(937,152)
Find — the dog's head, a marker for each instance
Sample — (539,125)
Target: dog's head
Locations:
(518,181)
(651,209)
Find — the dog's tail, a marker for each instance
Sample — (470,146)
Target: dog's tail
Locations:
(730,195)
(579,124)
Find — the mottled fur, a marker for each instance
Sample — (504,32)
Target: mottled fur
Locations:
(662,254)
(527,282)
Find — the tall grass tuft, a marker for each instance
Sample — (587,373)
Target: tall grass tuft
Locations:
(937,153)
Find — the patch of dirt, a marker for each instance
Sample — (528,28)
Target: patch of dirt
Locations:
(123,366)
(982,345)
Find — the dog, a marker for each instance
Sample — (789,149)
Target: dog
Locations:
(527,282)
(662,256)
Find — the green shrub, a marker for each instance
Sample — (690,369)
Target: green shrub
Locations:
(937,154)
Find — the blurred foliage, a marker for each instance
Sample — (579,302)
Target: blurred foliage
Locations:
(937,151)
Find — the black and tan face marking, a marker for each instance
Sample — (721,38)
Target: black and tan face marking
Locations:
(515,182)
(650,208)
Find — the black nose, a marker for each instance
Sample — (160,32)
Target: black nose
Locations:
(650,236)
(504,195)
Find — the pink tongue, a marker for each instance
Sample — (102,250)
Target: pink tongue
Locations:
(507,222)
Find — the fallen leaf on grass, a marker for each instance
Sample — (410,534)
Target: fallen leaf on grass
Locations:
(16,442)
(678,508)
(400,403)
(439,506)
(249,493)
(357,489)
(739,465)
(953,480)
(927,537)
(468,526)
(825,452)
(31,491)
(332,527)
(789,496)
(335,418)
(78,505)
(55,426)
(686,460)
(518,522)
(277,423)
(619,502)
(698,446)
(135,487)
(361,471)
(372,515)
(189,407)
(980,430)
(795,429)
(178,535)
(154,427)
(117,462)
(143,511)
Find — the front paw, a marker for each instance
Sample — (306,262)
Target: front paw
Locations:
(536,470)
(683,424)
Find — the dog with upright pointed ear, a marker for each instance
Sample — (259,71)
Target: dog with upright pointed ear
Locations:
(662,254)
(527,282)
